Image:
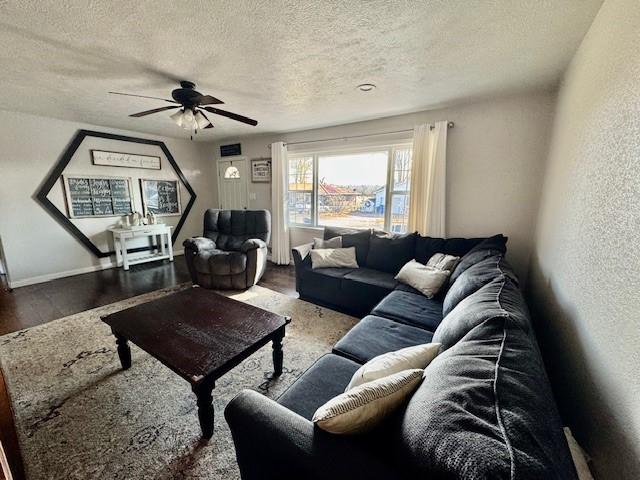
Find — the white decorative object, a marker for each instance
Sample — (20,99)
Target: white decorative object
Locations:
(280,251)
(427,280)
(130,160)
(428,180)
(334,258)
(364,407)
(161,233)
(418,356)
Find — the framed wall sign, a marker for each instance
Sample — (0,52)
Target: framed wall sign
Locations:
(131,160)
(89,197)
(161,197)
(261,170)
(231,150)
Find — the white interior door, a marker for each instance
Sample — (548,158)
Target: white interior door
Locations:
(233,183)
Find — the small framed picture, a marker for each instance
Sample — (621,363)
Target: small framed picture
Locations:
(261,170)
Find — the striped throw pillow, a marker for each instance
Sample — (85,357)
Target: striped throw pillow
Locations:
(364,407)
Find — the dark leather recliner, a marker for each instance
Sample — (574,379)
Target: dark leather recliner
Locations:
(232,252)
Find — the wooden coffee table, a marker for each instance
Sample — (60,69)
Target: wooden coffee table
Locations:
(200,335)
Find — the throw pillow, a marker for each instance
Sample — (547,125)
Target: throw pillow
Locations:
(351,237)
(335,242)
(388,252)
(364,407)
(442,261)
(333,257)
(427,280)
(418,356)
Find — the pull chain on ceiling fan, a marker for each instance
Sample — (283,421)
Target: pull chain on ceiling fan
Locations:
(191,104)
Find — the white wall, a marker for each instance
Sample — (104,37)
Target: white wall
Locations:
(36,246)
(495,162)
(585,274)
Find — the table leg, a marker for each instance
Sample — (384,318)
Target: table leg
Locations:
(170,245)
(117,245)
(277,353)
(205,406)
(124,352)
(125,257)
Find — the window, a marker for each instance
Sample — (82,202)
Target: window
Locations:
(366,188)
(232,172)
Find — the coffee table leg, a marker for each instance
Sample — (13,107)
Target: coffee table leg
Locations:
(277,353)
(124,352)
(205,407)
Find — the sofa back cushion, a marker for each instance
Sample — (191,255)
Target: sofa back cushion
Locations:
(230,228)
(352,237)
(486,248)
(480,306)
(484,410)
(389,252)
(474,278)
(426,247)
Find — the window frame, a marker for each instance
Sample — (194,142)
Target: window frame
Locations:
(390,149)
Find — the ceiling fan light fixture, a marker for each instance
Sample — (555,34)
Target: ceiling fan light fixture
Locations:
(177,117)
(201,121)
(188,119)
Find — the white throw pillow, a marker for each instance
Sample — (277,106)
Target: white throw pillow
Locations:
(418,356)
(334,257)
(335,242)
(427,280)
(366,406)
(442,261)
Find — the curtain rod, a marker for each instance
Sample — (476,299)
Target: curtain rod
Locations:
(449,125)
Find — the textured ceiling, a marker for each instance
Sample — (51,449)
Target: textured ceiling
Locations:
(289,64)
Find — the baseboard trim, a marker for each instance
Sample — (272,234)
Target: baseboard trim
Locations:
(68,273)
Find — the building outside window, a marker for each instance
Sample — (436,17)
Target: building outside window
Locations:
(364,188)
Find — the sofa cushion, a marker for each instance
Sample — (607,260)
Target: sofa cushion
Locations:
(496,245)
(388,252)
(499,298)
(321,283)
(324,380)
(426,247)
(484,410)
(352,237)
(373,336)
(366,287)
(412,309)
(475,277)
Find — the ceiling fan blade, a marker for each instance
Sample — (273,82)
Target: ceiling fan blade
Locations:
(206,118)
(143,96)
(155,110)
(233,116)
(209,100)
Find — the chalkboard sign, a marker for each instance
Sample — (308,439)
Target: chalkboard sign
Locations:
(161,197)
(97,196)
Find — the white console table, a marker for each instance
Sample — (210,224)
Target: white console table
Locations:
(162,234)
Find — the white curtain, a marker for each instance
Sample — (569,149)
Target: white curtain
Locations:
(280,253)
(428,180)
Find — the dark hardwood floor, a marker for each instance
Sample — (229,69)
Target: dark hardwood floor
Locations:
(37,304)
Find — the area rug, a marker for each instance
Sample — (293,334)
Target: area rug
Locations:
(79,416)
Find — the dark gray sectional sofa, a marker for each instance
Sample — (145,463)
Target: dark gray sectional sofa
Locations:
(484,410)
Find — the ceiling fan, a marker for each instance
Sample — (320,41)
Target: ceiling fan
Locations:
(191,104)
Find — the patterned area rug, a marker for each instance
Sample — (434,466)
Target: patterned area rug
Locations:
(79,416)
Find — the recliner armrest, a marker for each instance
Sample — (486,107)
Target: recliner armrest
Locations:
(198,244)
(300,253)
(272,442)
(252,244)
